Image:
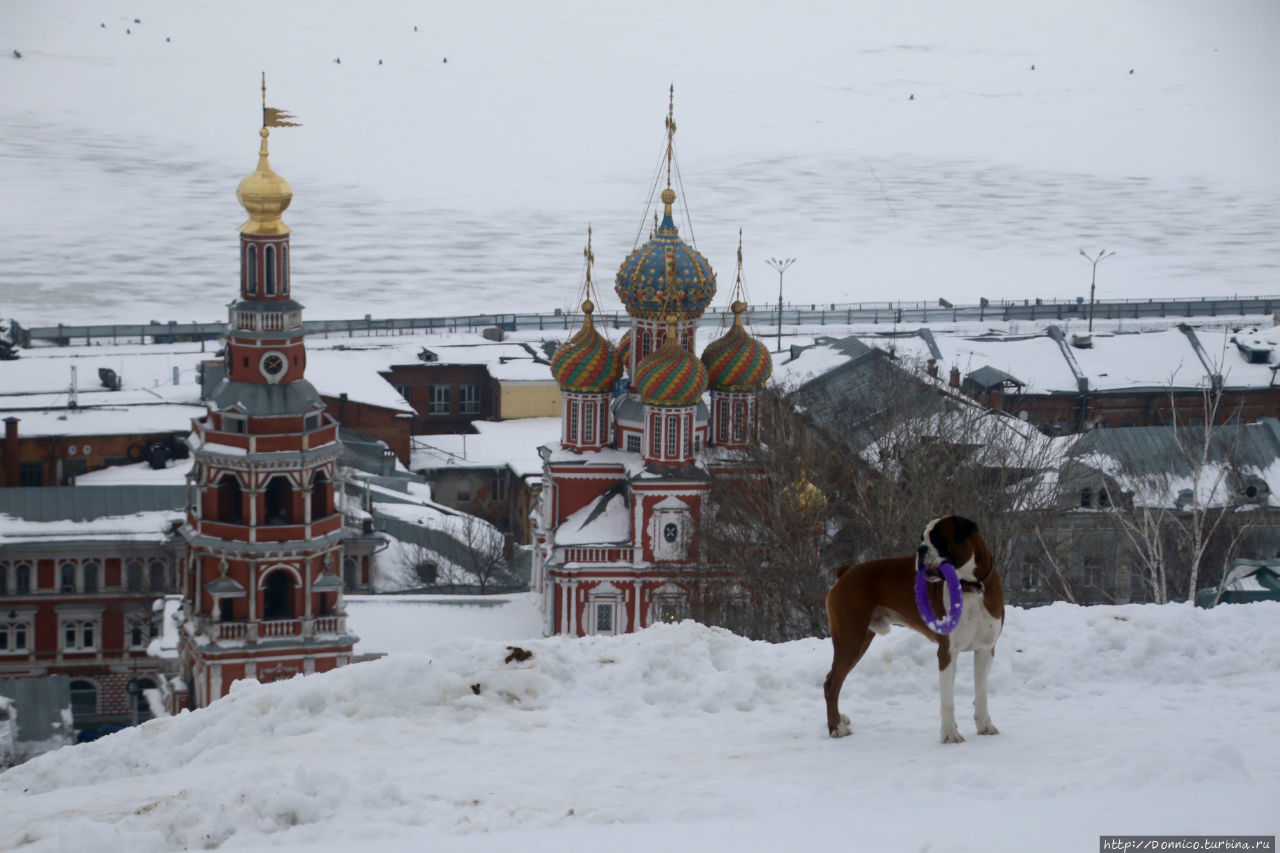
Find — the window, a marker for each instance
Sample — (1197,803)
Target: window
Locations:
(139,631)
(604,617)
(31,474)
(688,436)
(278,501)
(320,500)
(350,572)
(133,576)
(84,700)
(722,421)
(462,493)
(469,399)
(15,632)
(673,437)
(671,531)
(633,443)
(739,420)
(573,420)
(269,264)
(22,579)
(251,270)
(1093,573)
(234,423)
(284,269)
(278,597)
(655,435)
(67,577)
(230,500)
(311,422)
(157,575)
(79,634)
(498,489)
(1086,497)
(439,404)
(89,576)
(4,579)
(589,422)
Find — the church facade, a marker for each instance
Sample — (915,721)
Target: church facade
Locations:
(645,426)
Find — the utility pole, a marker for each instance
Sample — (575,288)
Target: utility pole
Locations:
(781,265)
(1093,281)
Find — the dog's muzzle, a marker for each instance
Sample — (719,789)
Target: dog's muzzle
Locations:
(931,573)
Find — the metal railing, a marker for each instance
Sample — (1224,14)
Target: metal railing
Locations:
(813,314)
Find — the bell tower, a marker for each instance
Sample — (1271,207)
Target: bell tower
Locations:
(262,585)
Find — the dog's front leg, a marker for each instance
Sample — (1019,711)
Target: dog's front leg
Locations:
(947,689)
(982,659)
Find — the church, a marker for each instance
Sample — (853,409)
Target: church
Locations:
(645,426)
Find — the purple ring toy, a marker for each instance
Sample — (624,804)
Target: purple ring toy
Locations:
(940,626)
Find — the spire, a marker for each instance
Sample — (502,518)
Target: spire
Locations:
(671,135)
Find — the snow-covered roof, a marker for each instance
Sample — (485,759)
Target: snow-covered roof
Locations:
(513,443)
(604,521)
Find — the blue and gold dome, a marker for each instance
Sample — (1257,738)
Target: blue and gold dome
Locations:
(670,375)
(666,277)
(737,361)
(586,363)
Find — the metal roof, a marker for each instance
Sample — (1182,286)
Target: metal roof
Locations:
(990,377)
(1155,450)
(85,503)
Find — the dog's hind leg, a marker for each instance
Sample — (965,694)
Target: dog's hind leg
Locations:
(982,659)
(843,661)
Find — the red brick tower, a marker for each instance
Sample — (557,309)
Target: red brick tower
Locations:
(263,583)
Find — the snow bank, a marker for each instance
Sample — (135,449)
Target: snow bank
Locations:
(1115,719)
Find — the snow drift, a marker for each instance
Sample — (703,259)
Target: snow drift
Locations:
(1114,719)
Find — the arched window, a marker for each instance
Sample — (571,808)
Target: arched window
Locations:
(84,700)
(269,271)
(655,436)
(722,421)
(277,599)
(89,574)
(251,270)
(589,422)
(157,576)
(739,420)
(279,501)
(573,420)
(284,269)
(230,500)
(133,576)
(22,579)
(67,577)
(673,436)
(350,572)
(320,497)
(1086,497)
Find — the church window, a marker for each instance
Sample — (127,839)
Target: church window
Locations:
(739,420)
(589,422)
(573,420)
(279,501)
(655,436)
(230,500)
(320,497)
(350,572)
(604,617)
(722,421)
(251,270)
(633,443)
(673,437)
(284,269)
(670,531)
(277,599)
(269,271)
(688,435)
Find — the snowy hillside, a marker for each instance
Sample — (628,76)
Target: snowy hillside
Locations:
(1133,719)
(900,150)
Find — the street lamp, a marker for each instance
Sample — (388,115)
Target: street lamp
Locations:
(1102,256)
(781,265)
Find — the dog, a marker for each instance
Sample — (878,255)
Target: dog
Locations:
(870,597)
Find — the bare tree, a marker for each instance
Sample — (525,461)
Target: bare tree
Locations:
(484,557)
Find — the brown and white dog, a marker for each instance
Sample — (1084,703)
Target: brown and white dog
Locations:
(870,597)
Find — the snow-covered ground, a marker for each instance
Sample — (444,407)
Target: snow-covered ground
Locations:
(899,150)
(1135,719)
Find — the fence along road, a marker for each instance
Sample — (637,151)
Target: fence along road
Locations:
(868,313)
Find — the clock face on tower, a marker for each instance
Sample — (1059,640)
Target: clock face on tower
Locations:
(272,365)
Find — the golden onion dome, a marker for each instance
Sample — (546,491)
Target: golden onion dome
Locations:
(804,501)
(265,195)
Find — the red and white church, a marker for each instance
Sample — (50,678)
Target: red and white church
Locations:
(646,426)
(262,588)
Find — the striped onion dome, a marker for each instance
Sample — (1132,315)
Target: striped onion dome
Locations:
(586,363)
(624,347)
(670,375)
(737,361)
(665,276)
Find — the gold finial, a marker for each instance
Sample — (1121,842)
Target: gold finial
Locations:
(671,331)
(587,307)
(591,259)
(668,198)
(737,308)
(671,133)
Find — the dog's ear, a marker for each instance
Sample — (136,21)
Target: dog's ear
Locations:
(964,528)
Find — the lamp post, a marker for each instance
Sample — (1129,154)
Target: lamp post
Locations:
(781,265)
(1102,256)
